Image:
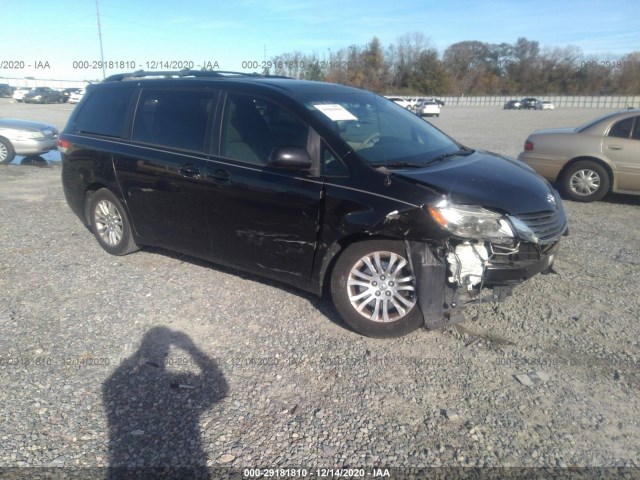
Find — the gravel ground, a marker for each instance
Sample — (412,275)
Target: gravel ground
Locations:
(157,359)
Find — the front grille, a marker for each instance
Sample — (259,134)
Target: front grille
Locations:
(548,226)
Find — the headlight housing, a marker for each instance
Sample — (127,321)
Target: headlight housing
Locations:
(476,222)
(28,135)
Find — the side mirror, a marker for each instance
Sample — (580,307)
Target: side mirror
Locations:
(290,158)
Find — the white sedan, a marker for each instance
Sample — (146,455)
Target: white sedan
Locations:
(428,108)
(19,93)
(75,97)
(545,105)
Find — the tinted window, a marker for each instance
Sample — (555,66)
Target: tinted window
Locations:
(104,112)
(380,131)
(253,127)
(636,131)
(622,129)
(173,118)
(333,166)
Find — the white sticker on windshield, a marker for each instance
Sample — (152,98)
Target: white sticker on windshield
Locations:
(335,112)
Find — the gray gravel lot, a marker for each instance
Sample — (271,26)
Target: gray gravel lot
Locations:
(201,365)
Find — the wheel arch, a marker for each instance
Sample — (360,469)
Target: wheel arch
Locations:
(89,192)
(337,248)
(599,161)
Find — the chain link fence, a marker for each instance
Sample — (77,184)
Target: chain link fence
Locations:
(559,101)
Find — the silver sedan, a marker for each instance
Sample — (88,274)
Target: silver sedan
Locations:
(599,157)
(23,137)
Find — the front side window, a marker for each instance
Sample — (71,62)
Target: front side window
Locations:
(175,119)
(252,127)
(380,131)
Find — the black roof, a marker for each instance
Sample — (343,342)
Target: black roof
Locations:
(286,84)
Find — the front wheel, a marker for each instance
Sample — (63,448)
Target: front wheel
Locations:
(373,289)
(110,224)
(585,181)
(7,153)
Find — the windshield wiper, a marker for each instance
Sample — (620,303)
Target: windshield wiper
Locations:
(463,152)
(398,165)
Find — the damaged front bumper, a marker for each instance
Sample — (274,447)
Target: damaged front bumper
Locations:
(451,276)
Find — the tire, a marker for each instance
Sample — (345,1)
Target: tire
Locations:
(367,272)
(585,181)
(110,224)
(7,153)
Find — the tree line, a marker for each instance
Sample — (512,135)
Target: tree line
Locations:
(413,66)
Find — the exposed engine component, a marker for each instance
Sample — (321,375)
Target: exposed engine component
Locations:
(466,264)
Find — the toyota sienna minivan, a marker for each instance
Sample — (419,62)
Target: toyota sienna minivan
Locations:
(328,188)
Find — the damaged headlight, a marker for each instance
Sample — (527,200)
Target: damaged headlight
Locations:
(473,222)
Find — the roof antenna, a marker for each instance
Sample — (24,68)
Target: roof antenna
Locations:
(100,37)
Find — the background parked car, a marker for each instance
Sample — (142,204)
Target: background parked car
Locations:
(528,103)
(400,101)
(20,92)
(66,93)
(544,105)
(5,90)
(428,108)
(75,97)
(512,105)
(592,160)
(22,137)
(43,95)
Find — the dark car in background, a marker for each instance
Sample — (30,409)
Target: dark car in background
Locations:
(43,95)
(528,103)
(512,105)
(328,188)
(5,90)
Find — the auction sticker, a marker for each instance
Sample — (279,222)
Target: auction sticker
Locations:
(335,112)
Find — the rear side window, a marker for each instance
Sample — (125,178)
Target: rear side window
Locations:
(103,112)
(175,119)
(622,129)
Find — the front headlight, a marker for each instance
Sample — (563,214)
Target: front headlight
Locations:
(28,135)
(472,221)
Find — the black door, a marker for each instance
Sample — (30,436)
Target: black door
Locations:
(162,173)
(261,218)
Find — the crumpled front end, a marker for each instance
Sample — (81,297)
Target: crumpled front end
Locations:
(462,270)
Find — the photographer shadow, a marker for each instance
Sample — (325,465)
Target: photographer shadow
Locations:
(153,404)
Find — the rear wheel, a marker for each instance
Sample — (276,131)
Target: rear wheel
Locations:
(110,224)
(373,289)
(7,153)
(585,181)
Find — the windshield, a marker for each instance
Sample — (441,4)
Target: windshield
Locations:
(380,131)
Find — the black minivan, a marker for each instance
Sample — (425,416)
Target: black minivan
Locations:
(325,187)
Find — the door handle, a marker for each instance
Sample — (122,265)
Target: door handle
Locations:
(615,147)
(189,170)
(219,176)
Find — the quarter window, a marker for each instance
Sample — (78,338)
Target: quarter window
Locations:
(175,119)
(103,113)
(253,127)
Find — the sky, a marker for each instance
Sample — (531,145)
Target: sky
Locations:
(60,40)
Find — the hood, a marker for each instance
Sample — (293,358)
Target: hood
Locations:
(24,124)
(486,179)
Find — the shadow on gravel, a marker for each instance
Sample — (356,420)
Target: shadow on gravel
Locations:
(153,403)
(322,304)
(622,199)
